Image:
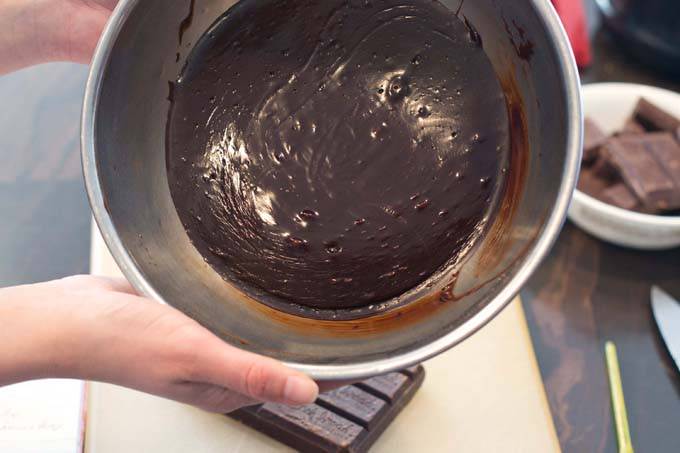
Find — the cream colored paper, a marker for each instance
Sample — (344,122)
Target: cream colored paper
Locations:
(485,395)
(43,416)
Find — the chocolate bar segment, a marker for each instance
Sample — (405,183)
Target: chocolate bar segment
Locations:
(640,171)
(413,372)
(307,428)
(621,196)
(344,420)
(593,139)
(654,118)
(389,387)
(354,404)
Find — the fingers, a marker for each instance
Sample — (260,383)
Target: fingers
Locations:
(108,4)
(257,377)
(212,398)
(193,354)
(81,282)
(116,284)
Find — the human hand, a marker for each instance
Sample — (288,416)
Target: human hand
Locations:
(40,31)
(83,22)
(97,329)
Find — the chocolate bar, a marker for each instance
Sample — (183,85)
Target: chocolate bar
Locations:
(654,118)
(348,419)
(593,138)
(641,171)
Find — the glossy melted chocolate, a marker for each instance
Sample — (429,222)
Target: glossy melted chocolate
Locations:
(336,154)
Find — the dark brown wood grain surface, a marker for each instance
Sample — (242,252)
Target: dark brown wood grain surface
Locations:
(588,292)
(584,294)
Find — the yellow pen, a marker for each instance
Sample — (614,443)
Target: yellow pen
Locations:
(618,401)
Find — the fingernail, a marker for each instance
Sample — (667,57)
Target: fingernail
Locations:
(299,391)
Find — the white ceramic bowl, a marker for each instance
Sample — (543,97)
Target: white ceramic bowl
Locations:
(610,104)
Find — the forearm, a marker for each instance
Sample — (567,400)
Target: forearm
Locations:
(27,36)
(48,333)
(32,344)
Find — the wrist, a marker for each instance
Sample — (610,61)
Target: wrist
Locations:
(34,337)
(49,29)
(27,33)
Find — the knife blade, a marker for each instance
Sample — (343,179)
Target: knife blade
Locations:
(667,315)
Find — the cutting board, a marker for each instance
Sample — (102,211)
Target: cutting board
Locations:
(485,395)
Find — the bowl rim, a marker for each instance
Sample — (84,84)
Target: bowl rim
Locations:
(574,119)
(651,220)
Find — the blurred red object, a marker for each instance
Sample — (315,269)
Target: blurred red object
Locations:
(574,20)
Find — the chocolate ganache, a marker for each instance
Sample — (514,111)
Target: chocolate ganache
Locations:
(336,154)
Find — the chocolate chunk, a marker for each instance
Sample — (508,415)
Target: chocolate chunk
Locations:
(654,118)
(644,156)
(621,196)
(641,171)
(593,139)
(632,126)
(605,170)
(344,420)
(591,184)
(666,151)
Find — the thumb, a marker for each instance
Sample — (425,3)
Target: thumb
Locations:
(257,377)
(108,4)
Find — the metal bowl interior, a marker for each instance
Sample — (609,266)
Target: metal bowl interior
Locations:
(123,137)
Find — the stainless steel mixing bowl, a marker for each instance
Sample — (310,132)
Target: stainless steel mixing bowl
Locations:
(123,142)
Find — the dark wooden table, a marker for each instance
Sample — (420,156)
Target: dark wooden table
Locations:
(585,293)
(588,292)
